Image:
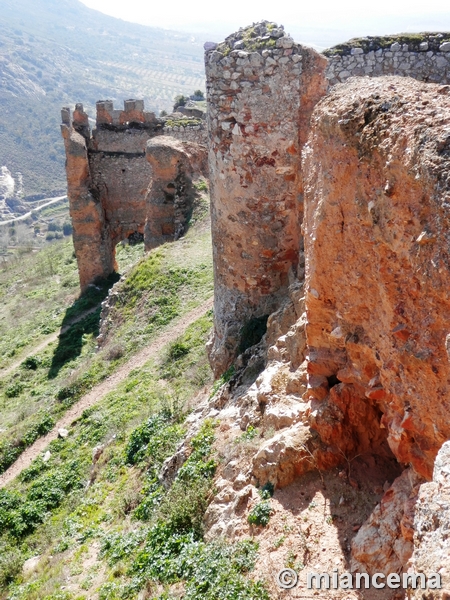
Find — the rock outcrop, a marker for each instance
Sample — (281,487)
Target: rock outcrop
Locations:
(432,526)
(376,238)
(355,363)
(384,544)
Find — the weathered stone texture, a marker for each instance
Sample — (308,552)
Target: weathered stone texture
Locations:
(432,528)
(384,543)
(108,178)
(195,133)
(377,236)
(376,183)
(256,81)
(425,57)
(169,197)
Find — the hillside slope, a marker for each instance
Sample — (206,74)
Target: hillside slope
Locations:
(90,512)
(58,53)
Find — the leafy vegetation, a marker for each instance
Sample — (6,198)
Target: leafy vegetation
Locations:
(159,288)
(150,535)
(260,513)
(109,484)
(183,122)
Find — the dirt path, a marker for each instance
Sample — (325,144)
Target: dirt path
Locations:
(103,388)
(48,340)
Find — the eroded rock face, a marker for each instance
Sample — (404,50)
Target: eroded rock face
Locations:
(384,543)
(377,190)
(432,527)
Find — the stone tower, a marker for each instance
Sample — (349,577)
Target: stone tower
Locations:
(261,90)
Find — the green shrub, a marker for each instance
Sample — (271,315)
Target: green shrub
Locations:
(154,440)
(42,428)
(67,228)
(177,350)
(10,566)
(20,516)
(116,546)
(184,506)
(34,470)
(214,571)
(267,490)
(260,514)
(31,363)
(70,392)
(14,389)
(159,559)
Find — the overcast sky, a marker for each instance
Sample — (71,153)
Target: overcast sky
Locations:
(322,23)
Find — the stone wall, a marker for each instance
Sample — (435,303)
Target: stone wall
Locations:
(425,57)
(192,133)
(261,90)
(170,194)
(109,176)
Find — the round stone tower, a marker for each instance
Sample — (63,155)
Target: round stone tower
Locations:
(261,88)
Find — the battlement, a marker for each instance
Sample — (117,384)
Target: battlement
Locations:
(80,120)
(133,113)
(115,191)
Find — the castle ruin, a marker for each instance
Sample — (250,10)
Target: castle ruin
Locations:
(126,179)
(329,202)
(262,88)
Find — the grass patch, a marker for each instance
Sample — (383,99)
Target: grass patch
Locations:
(150,535)
(102,485)
(159,288)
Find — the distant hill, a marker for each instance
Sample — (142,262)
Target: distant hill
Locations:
(58,52)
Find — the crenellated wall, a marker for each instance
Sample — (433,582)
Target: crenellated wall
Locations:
(109,177)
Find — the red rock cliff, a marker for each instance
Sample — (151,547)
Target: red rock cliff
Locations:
(376,231)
